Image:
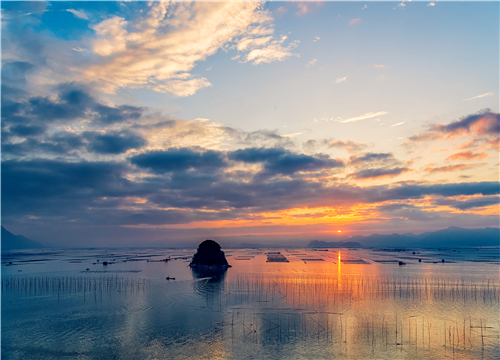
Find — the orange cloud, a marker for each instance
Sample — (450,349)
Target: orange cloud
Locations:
(349,145)
(457,167)
(483,124)
(467,155)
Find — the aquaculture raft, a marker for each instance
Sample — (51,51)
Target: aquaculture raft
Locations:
(276,257)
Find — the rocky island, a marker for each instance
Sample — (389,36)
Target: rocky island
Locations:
(209,256)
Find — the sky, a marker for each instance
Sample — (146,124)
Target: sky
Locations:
(167,123)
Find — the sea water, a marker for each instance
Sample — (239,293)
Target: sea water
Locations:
(338,303)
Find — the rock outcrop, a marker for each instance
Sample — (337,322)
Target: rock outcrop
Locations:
(209,255)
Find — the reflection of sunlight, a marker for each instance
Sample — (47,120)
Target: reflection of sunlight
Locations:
(339,274)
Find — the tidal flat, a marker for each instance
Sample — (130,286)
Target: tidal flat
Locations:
(339,303)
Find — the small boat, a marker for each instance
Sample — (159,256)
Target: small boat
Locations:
(169,278)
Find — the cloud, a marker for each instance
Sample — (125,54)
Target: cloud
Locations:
(272,52)
(105,193)
(302,8)
(115,142)
(370,157)
(31,147)
(474,203)
(183,88)
(484,126)
(27,130)
(447,168)
(281,10)
(349,145)
(316,38)
(311,63)
(378,173)
(72,103)
(292,135)
(402,4)
(161,162)
(339,80)
(250,43)
(78,14)
(378,65)
(432,3)
(480,96)
(364,116)
(280,161)
(467,155)
(160,49)
(400,123)
(482,123)
(355,21)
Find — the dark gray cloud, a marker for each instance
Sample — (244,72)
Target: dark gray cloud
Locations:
(73,102)
(65,143)
(374,173)
(416,191)
(491,123)
(113,142)
(281,161)
(63,191)
(60,144)
(27,130)
(469,204)
(14,73)
(485,123)
(163,161)
(369,157)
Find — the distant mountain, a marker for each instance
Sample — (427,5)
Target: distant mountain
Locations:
(451,237)
(12,242)
(381,240)
(455,236)
(334,244)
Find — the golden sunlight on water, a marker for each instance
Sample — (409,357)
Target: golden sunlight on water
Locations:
(339,273)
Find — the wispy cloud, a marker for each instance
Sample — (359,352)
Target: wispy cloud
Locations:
(291,135)
(281,10)
(400,123)
(402,4)
(355,21)
(78,14)
(364,117)
(272,52)
(339,80)
(364,7)
(378,65)
(448,168)
(316,39)
(431,4)
(302,9)
(480,96)
(312,62)
(349,145)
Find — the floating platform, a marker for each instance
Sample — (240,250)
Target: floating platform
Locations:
(276,257)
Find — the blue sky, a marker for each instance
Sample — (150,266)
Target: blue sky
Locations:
(173,121)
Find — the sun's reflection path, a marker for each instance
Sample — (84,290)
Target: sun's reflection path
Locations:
(339,274)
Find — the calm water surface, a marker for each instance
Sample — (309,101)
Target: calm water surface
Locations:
(365,306)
